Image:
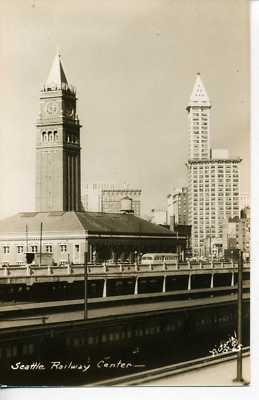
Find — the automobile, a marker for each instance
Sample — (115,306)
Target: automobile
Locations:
(192,259)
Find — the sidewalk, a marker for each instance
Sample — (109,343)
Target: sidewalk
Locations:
(215,375)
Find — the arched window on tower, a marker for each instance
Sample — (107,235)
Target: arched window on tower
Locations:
(55,135)
(49,136)
(43,136)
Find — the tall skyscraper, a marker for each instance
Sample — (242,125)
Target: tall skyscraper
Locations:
(58,183)
(213,178)
(199,122)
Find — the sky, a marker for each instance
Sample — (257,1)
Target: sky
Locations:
(134,64)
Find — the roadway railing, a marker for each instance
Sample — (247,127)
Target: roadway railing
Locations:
(95,269)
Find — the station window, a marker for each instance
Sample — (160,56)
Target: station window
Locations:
(76,342)
(49,249)
(6,249)
(19,249)
(82,341)
(104,338)
(30,348)
(14,351)
(11,351)
(90,340)
(63,248)
(25,349)
(8,352)
(34,249)
(111,337)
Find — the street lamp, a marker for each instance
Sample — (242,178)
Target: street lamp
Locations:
(239,377)
(135,257)
(85,287)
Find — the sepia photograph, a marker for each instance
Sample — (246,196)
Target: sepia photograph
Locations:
(125,193)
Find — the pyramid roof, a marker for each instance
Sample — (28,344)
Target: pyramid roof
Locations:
(57,77)
(199,96)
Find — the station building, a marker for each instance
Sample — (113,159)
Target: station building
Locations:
(68,235)
(59,226)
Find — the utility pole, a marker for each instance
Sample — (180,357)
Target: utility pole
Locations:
(85,287)
(239,377)
(41,227)
(26,230)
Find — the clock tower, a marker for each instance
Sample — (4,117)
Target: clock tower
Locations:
(58,183)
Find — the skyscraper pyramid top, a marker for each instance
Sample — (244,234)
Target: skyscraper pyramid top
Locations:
(56,78)
(199,95)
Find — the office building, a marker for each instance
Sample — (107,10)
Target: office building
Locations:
(159,216)
(236,234)
(107,198)
(177,207)
(213,177)
(243,201)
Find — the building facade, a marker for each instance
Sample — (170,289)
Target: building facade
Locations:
(159,216)
(213,178)
(177,207)
(107,198)
(244,201)
(111,200)
(58,185)
(236,233)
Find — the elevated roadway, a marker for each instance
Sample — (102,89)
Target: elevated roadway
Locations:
(30,274)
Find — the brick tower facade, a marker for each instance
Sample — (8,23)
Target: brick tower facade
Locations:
(58,182)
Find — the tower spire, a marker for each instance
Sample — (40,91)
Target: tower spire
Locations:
(199,121)
(56,78)
(199,95)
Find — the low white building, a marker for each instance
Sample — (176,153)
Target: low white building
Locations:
(68,235)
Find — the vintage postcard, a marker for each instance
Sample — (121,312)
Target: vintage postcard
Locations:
(125,193)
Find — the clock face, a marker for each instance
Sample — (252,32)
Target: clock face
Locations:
(52,108)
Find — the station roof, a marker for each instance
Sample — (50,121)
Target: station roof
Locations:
(76,222)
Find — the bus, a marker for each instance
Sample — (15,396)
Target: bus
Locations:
(159,258)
